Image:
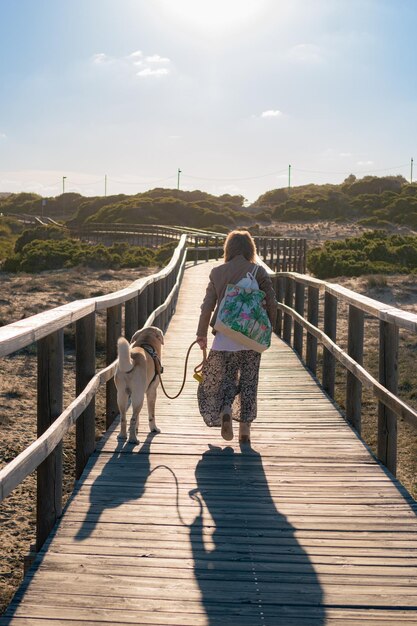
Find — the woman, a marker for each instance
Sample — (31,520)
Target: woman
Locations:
(230,374)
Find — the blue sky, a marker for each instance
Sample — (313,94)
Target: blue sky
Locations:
(230,91)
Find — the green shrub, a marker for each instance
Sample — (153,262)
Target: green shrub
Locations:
(372,253)
(40,255)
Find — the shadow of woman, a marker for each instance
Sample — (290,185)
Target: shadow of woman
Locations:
(256,573)
(123,478)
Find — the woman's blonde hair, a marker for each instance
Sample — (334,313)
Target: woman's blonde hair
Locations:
(239,242)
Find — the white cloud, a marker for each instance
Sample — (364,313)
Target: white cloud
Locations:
(99,58)
(147,71)
(136,55)
(149,65)
(3,136)
(365,163)
(155,58)
(306,53)
(344,155)
(271,113)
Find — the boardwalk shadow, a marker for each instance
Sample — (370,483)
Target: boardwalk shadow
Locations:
(123,478)
(256,572)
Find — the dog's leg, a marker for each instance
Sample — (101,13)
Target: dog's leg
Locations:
(137,403)
(151,400)
(122,403)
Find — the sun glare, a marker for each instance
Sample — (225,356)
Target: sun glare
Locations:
(213,15)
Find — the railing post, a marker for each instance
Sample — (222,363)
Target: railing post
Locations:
(313,318)
(150,298)
(113,332)
(330,325)
(304,261)
(355,350)
(142,308)
(85,347)
(157,291)
(217,248)
(284,255)
(50,405)
(265,249)
(131,317)
(278,266)
(195,250)
(289,297)
(299,307)
(388,376)
(280,292)
(271,254)
(207,250)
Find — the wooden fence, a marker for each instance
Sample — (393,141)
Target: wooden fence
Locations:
(147,301)
(280,253)
(297,323)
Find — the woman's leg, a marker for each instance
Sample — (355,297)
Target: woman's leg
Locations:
(219,387)
(244,409)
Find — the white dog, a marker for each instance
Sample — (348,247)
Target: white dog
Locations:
(136,375)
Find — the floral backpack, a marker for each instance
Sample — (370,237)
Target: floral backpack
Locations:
(241,315)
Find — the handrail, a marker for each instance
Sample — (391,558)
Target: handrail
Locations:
(389,399)
(28,460)
(290,287)
(384,312)
(20,334)
(147,300)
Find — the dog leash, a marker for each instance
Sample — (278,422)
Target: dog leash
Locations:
(197,372)
(193,494)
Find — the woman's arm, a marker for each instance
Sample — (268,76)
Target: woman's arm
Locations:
(207,308)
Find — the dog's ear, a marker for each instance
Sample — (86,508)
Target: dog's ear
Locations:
(160,335)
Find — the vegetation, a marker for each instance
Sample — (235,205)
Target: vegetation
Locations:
(157,206)
(372,253)
(375,201)
(9,229)
(51,247)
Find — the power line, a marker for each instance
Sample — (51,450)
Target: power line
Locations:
(283,171)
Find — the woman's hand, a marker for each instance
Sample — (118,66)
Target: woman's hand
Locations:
(202,342)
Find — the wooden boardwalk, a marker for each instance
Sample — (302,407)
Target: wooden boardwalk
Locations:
(304,529)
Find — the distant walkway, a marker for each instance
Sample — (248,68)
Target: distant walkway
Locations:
(305,529)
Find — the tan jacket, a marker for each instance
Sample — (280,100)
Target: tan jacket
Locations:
(232,272)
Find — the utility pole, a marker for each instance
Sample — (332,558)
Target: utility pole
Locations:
(105,185)
(411,173)
(63,198)
(178,178)
(289,178)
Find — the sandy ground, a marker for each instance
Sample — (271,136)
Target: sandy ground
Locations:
(318,232)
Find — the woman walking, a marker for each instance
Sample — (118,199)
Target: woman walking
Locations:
(230,374)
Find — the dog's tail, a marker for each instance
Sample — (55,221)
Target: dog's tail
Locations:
(123,350)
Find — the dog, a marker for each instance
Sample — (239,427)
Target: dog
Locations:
(136,375)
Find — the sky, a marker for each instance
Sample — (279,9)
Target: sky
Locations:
(231,92)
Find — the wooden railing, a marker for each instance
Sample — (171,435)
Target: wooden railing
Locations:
(147,301)
(282,254)
(297,323)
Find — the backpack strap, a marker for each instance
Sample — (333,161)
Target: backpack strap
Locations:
(255,270)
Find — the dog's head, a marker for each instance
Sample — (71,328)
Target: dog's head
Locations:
(152,335)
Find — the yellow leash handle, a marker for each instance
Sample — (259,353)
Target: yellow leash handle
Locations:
(198,373)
